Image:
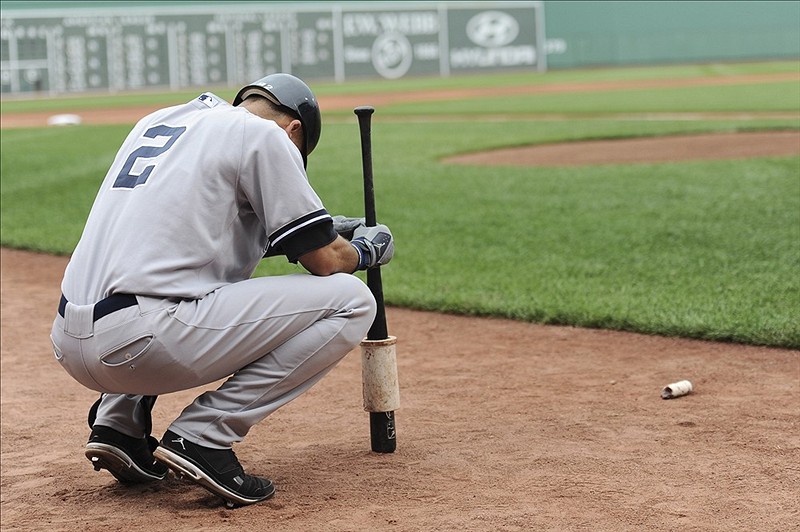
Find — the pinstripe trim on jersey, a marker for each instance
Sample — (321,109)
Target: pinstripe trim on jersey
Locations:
(297,225)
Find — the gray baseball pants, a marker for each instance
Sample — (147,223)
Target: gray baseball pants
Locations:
(274,337)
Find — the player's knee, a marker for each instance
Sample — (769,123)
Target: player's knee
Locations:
(366,301)
(359,305)
(360,297)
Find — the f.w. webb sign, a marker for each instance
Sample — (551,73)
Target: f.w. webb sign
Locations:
(394,43)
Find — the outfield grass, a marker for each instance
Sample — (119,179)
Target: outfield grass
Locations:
(698,249)
(732,98)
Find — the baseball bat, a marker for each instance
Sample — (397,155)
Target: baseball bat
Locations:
(378,362)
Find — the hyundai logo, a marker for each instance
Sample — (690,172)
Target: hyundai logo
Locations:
(492,29)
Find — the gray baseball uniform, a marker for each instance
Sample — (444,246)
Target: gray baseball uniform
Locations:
(195,197)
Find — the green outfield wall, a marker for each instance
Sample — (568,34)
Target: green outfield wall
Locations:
(600,33)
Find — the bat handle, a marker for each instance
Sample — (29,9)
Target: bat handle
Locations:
(378,330)
(382,434)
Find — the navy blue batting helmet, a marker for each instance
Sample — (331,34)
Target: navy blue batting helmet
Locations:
(292,93)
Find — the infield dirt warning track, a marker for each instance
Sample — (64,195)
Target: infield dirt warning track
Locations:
(502,426)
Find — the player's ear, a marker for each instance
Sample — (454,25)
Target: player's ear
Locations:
(295,127)
(295,132)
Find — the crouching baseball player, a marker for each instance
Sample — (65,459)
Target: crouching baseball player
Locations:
(158,295)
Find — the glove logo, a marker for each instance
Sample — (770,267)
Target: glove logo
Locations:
(381,240)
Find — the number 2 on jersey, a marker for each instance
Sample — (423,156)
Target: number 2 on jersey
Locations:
(126,179)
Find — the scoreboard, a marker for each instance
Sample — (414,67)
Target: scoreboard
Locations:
(118,48)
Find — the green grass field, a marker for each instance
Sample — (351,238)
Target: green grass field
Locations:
(697,249)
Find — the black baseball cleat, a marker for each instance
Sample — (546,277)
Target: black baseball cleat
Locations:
(129,459)
(217,470)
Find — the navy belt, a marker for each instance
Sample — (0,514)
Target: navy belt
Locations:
(104,307)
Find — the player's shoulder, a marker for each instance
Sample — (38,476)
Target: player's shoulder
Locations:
(211,107)
(264,139)
(190,111)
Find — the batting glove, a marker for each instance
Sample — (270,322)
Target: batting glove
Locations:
(345,226)
(374,245)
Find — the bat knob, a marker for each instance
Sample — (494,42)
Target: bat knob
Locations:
(364,110)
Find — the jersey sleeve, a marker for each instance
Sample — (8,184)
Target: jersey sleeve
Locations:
(301,242)
(274,183)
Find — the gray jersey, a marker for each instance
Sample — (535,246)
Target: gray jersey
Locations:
(195,197)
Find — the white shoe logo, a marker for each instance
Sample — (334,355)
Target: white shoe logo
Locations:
(180,440)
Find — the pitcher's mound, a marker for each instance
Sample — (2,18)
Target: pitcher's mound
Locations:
(642,150)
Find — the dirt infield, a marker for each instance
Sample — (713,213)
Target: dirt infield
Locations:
(504,426)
